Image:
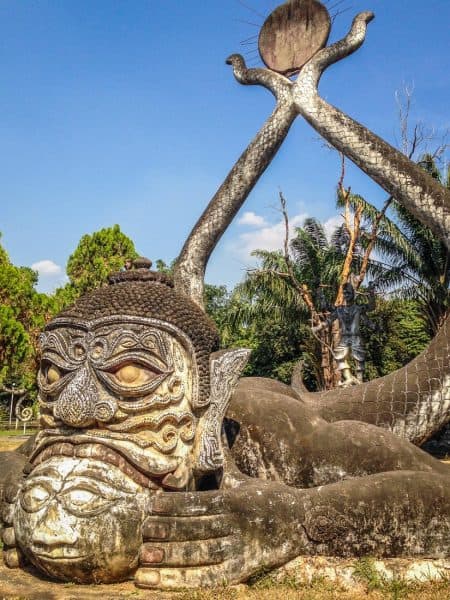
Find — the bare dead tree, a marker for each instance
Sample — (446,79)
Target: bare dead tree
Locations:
(417,139)
(329,375)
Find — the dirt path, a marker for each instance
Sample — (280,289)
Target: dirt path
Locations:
(11,443)
(16,583)
(20,585)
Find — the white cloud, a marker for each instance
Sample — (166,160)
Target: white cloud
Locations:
(266,237)
(50,274)
(47,268)
(332,224)
(252,219)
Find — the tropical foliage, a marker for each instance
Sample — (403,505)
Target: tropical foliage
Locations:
(273,309)
(24,311)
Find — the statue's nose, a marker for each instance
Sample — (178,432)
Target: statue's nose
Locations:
(76,403)
(55,529)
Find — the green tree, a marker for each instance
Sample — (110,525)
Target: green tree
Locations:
(413,262)
(271,310)
(95,258)
(399,335)
(286,293)
(23,313)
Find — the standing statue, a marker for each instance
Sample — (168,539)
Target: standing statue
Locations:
(154,462)
(350,344)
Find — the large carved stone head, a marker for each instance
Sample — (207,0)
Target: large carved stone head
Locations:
(124,382)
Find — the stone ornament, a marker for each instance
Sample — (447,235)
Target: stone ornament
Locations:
(154,461)
(226,367)
(292,34)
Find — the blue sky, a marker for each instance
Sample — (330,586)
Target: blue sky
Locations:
(125,112)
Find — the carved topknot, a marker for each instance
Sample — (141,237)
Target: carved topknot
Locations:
(139,270)
(292,34)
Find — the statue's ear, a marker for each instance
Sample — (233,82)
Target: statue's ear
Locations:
(226,367)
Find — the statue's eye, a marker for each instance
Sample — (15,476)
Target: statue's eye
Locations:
(134,374)
(52,374)
(34,498)
(84,502)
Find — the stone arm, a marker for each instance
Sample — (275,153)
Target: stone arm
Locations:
(327,323)
(368,307)
(198,539)
(427,200)
(371,326)
(191,263)
(371,304)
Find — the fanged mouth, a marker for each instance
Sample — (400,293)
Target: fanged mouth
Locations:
(55,447)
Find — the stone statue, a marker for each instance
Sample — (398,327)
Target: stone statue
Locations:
(350,342)
(154,462)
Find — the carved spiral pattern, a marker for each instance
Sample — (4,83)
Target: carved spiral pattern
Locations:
(105,410)
(23,413)
(324,523)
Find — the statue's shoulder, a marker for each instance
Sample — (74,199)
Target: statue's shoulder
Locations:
(264,386)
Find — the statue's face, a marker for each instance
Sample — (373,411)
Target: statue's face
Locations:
(349,294)
(122,384)
(80,520)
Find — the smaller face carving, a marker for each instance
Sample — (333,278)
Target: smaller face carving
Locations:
(80,520)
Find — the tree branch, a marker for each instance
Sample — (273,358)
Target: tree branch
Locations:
(301,288)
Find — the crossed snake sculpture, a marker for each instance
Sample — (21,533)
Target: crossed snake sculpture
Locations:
(155,461)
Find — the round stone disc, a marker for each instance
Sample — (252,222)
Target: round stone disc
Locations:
(292,34)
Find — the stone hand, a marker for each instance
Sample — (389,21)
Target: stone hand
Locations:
(318,328)
(15,473)
(204,539)
(190,540)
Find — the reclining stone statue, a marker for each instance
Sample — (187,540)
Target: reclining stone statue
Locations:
(154,462)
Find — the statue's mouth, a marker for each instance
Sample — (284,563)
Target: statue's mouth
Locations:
(59,554)
(148,469)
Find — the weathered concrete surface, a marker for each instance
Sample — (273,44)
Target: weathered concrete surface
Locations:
(345,572)
(292,34)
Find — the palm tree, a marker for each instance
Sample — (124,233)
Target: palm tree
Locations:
(411,262)
(289,290)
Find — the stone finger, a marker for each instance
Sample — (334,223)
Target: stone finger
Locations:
(191,577)
(7,515)
(187,528)
(188,554)
(186,504)
(9,536)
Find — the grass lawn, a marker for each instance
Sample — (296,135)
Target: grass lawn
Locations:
(14,432)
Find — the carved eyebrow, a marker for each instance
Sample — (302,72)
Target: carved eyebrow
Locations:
(144,358)
(51,479)
(157,347)
(91,474)
(95,485)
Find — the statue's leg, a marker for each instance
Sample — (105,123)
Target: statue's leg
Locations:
(341,356)
(273,436)
(359,355)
